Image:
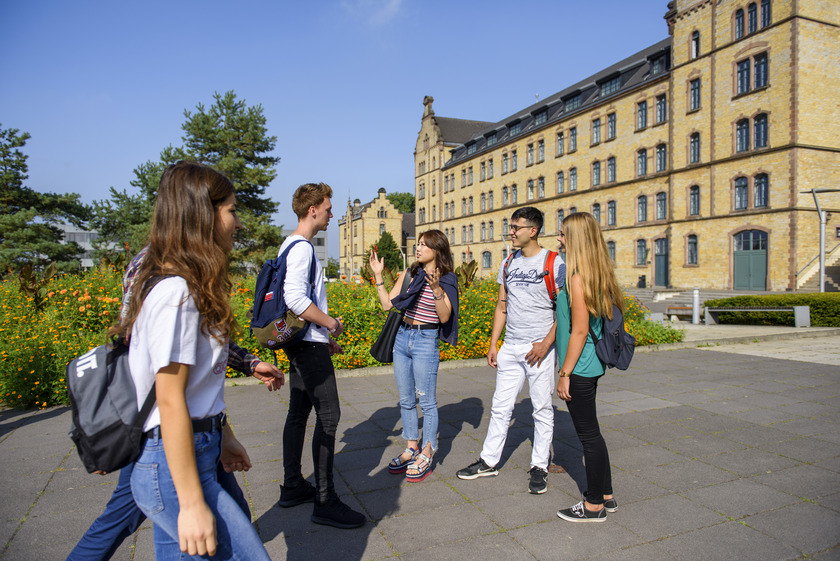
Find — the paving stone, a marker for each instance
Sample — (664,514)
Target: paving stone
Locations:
(493,546)
(805,449)
(571,541)
(808,527)
(751,461)
(809,482)
(686,474)
(725,542)
(739,498)
(410,532)
(644,552)
(702,445)
(409,497)
(667,516)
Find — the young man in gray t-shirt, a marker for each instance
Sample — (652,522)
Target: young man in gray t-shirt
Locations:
(525,306)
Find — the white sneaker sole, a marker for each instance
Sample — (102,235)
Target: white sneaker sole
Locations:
(492,473)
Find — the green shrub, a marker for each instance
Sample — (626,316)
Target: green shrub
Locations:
(825,308)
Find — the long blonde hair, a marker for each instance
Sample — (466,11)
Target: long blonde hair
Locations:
(587,257)
(184,242)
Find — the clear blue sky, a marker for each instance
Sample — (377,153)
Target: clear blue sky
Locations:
(102,86)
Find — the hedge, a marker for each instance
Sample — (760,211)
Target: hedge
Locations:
(825,308)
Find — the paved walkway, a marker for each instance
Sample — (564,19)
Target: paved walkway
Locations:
(718,452)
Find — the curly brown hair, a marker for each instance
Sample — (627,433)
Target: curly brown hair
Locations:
(183,242)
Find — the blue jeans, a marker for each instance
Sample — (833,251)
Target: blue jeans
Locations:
(154,492)
(122,517)
(416,359)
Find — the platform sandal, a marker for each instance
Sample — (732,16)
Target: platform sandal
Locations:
(423,465)
(398,465)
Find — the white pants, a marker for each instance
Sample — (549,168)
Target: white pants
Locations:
(512,370)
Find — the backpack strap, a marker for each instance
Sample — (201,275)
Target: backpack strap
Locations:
(507,265)
(548,273)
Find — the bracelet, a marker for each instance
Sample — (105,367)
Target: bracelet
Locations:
(380,283)
(333,330)
(443,294)
(564,374)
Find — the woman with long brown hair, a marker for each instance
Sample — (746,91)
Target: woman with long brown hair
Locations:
(431,314)
(588,296)
(179,334)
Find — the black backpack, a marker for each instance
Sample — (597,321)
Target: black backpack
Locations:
(106,426)
(273,324)
(616,346)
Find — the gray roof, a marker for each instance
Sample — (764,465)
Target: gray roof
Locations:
(632,71)
(458,131)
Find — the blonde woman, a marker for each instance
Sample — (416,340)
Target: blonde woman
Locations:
(589,294)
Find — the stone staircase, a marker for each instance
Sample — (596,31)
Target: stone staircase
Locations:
(660,300)
(832,280)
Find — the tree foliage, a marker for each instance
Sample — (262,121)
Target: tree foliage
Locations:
(28,232)
(230,136)
(331,271)
(403,201)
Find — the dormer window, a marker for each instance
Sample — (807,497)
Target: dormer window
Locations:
(471,149)
(515,128)
(573,102)
(541,117)
(610,86)
(491,139)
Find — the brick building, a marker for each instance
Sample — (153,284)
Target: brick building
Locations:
(363,224)
(693,153)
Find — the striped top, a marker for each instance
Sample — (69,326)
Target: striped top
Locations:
(424,311)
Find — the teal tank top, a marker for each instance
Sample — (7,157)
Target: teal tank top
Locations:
(588,364)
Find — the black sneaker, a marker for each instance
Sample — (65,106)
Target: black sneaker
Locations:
(578,513)
(292,496)
(610,505)
(538,483)
(337,514)
(477,469)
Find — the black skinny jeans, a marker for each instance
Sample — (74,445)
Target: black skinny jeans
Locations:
(311,383)
(584,416)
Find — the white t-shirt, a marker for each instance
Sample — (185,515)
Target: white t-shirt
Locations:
(296,287)
(530,314)
(168,330)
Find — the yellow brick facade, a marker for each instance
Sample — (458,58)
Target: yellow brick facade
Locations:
(703,135)
(360,228)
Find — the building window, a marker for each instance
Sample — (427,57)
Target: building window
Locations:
(611,250)
(434,188)
(463,257)
(611,169)
(743,76)
(658,65)
(471,176)
(434,217)
(446,184)
(483,202)
(422,215)
(504,196)
(641,115)
(641,209)
(610,126)
(573,179)
(463,207)
(765,13)
(561,148)
(530,189)
(661,206)
(381,229)
(742,135)
(486,260)
(641,252)
(694,201)
(641,162)
(530,157)
(541,187)
(596,212)
(491,139)
(472,148)
(483,172)
(573,210)
(661,108)
(611,213)
(560,216)
(490,200)
(541,117)
(490,230)
(694,148)
(752,18)
(504,226)
(760,131)
(596,173)
(761,187)
(483,231)
(540,151)
(691,258)
(695,45)
(739,24)
(741,194)
(694,95)
(504,163)
(610,86)
(572,139)
(463,178)
(760,63)
(515,128)
(470,239)
(661,157)
(513,160)
(422,191)
(513,195)
(572,103)
(490,169)
(470,205)
(596,131)
(560,182)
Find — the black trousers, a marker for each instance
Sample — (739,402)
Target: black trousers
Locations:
(311,384)
(595,455)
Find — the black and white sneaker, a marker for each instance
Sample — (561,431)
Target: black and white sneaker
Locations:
(538,483)
(610,505)
(477,469)
(578,513)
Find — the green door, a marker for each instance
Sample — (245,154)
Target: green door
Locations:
(660,255)
(750,260)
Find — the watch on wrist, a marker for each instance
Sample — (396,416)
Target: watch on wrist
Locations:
(564,374)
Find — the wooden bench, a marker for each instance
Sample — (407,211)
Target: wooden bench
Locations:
(679,311)
(801,314)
